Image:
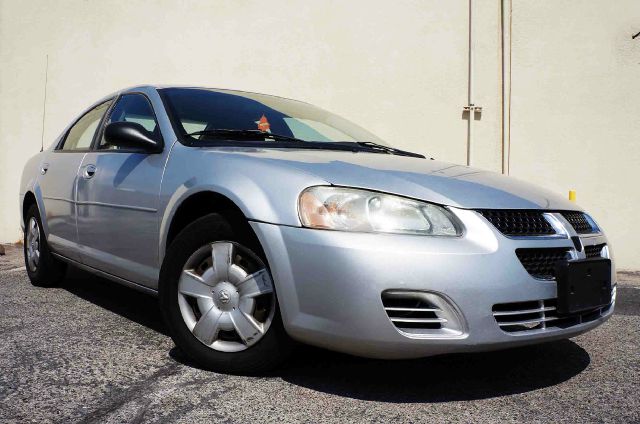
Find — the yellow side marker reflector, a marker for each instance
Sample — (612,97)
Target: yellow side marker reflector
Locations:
(572,195)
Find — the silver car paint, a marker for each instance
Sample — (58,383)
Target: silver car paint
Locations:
(120,200)
(328,282)
(329,285)
(58,188)
(433,181)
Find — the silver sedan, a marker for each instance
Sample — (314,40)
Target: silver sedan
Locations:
(261,221)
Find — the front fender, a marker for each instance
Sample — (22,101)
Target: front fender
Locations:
(264,191)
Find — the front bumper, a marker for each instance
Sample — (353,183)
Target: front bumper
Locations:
(329,286)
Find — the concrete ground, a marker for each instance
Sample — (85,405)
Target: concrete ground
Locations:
(95,351)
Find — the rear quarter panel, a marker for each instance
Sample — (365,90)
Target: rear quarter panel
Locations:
(29,183)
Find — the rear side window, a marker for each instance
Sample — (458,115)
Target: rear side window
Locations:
(133,108)
(81,133)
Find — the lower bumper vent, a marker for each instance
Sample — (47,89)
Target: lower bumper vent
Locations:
(541,263)
(540,315)
(418,313)
(594,251)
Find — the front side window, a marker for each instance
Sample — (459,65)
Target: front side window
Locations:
(133,108)
(81,133)
(212,114)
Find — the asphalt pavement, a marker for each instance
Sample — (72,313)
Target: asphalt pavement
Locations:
(94,351)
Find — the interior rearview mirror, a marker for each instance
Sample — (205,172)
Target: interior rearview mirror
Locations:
(131,135)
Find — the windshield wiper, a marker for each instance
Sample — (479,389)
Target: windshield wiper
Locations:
(387,149)
(245,134)
(257,135)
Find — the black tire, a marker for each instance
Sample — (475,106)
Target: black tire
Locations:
(49,270)
(269,352)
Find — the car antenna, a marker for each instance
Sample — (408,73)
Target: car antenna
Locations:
(44,102)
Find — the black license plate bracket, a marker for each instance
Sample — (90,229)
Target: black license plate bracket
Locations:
(583,285)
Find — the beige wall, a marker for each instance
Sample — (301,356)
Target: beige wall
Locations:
(398,68)
(575,108)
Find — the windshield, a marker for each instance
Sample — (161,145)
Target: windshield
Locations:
(201,114)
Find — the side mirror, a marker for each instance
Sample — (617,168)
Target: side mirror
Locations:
(131,135)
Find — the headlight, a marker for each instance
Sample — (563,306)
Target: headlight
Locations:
(346,209)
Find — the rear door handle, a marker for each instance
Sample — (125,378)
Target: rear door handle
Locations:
(89,172)
(44,168)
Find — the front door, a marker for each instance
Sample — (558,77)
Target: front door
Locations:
(118,194)
(59,172)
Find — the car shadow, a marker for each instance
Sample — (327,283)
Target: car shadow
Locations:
(444,378)
(124,301)
(453,377)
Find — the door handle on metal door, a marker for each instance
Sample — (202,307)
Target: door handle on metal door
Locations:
(44,168)
(89,171)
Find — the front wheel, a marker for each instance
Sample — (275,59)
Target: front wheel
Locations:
(219,301)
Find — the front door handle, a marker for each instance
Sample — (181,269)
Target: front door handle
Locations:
(89,171)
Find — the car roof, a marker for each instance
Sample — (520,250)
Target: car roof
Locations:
(145,87)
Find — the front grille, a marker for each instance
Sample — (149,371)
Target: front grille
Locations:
(579,222)
(421,314)
(541,263)
(541,315)
(518,222)
(594,251)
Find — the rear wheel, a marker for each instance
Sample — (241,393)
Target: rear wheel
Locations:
(43,269)
(219,300)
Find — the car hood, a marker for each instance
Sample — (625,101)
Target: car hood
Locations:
(429,180)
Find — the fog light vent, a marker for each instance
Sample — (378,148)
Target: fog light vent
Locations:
(418,313)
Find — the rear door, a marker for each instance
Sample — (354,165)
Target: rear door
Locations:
(58,179)
(118,195)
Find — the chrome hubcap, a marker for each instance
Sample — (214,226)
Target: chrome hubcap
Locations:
(33,244)
(226,297)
